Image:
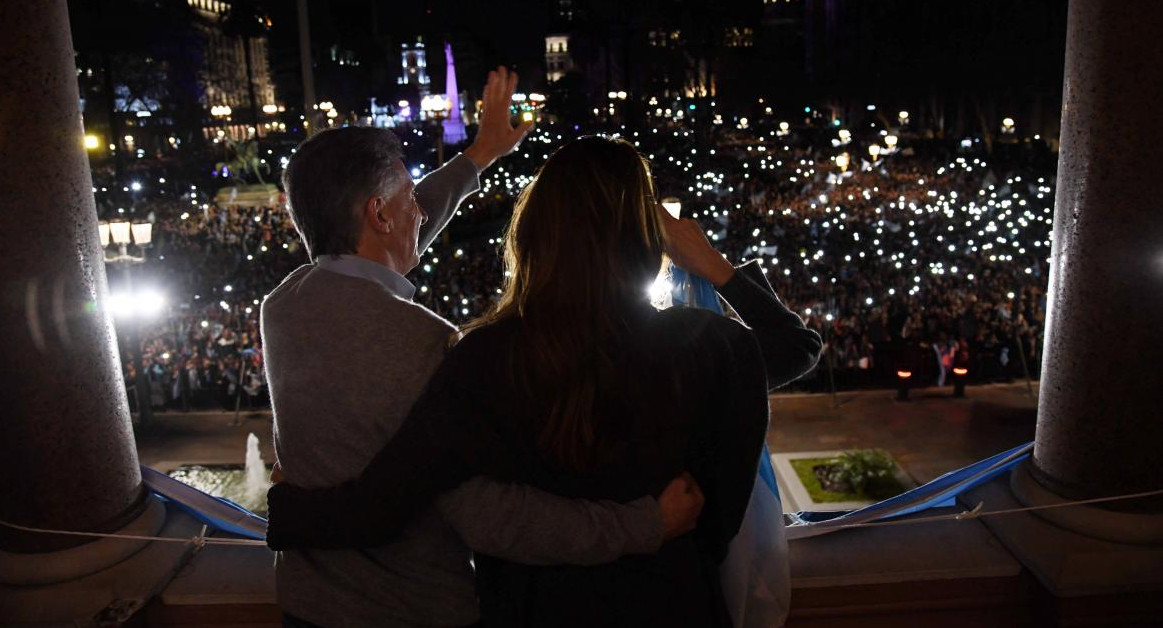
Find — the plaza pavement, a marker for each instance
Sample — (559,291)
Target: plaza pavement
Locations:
(929,435)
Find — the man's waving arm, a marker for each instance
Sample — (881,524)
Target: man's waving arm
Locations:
(440,193)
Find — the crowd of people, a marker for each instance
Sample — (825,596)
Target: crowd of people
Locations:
(930,253)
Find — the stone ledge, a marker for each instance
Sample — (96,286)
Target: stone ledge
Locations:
(126,586)
(1069,564)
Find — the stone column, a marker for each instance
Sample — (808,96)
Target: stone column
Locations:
(67,456)
(1100,416)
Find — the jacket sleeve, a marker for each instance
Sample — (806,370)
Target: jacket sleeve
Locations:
(442,443)
(789,348)
(440,193)
(525,525)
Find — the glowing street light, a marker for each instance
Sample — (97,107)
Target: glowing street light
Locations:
(890,141)
(874,151)
(139,304)
(1007,126)
(436,107)
(902,377)
(92,142)
(903,116)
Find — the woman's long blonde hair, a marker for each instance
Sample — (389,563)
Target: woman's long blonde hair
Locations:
(584,244)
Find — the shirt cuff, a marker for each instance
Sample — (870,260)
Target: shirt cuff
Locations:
(644,530)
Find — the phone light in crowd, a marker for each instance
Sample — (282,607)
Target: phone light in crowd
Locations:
(843,161)
(672,205)
(526,116)
(135,186)
(142,304)
(92,142)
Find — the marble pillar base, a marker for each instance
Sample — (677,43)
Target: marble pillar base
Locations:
(1092,521)
(34,569)
(1073,565)
(113,595)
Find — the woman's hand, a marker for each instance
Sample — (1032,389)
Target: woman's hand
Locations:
(687,245)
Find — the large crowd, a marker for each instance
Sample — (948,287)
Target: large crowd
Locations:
(929,254)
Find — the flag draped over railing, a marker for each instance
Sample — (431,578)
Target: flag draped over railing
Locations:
(941,492)
(216,512)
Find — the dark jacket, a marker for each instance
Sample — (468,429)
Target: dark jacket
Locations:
(687,391)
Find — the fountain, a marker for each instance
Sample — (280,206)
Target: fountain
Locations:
(245,485)
(256,471)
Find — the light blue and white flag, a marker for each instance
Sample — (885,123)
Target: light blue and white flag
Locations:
(755,577)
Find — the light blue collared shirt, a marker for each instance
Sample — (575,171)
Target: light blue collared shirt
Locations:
(363,268)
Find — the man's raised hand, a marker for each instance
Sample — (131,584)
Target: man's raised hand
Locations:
(680,502)
(496,135)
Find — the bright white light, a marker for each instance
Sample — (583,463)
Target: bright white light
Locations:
(135,186)
(141,304)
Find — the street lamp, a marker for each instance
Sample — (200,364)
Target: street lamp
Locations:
(436,107)
(903,116)
(874,152)
(122,233)
(1007,126)
(890,141)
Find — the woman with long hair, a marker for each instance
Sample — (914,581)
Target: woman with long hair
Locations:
(575,384)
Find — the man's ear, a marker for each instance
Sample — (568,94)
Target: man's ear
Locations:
(375,215)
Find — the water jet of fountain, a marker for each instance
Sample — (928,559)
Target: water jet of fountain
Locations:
(256,471)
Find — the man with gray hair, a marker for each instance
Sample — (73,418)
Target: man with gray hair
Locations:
(348,353)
